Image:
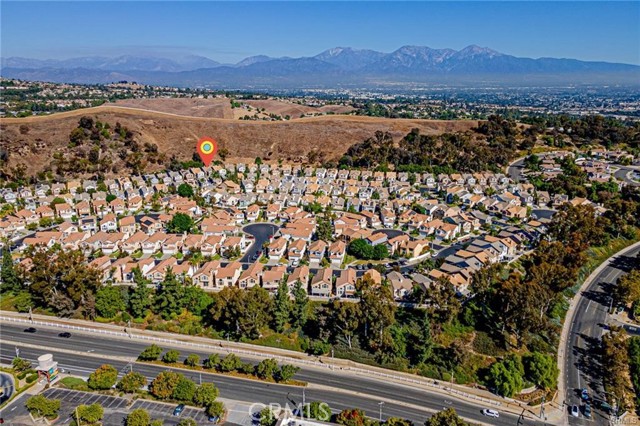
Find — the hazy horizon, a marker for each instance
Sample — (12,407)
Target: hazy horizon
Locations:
(228,32)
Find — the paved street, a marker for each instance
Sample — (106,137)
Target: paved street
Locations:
(583,368)
(402,400)
(261,232)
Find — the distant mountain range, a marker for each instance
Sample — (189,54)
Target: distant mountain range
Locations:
(337,67)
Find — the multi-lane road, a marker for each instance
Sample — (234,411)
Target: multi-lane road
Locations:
(582,366)
(82,353)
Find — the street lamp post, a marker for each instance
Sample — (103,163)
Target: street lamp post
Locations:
(381,403)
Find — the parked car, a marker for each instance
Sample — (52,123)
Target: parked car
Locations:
(587,410)
(584,394)
(178,410)
(575,412)
(602,405)
(30,330)
(65,334)
(490,413)
(213,419)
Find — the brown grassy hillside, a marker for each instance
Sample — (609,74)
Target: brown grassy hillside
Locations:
(211,108)
(33,141)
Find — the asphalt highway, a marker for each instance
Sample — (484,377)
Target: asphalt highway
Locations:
(583,368)
(339,389)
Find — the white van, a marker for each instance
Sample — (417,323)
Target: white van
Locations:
(491,413)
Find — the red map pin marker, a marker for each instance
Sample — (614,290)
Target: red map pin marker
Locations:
(207,148)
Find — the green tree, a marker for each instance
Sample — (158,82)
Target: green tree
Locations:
(40,406)
(185,390)
(324,228)
(377,308)
(185,190)
(243,312)
(164,384)
(205,394)
(196,299)
(103,378)
(62,280)
(216,408)
(171,356)
(9,280)
(187,421)
(150,353)
(360,249)
(23,301)
(212,361)
(192,360)
(20,364)
(397,421)
(90,413)
(169,300)
(533,162)
(286,373)
(132,382)
(180,223)
(380,252)
(444,305)
(615,364)
(351,417)
(230,363)
(345,320)
(627,289)
(299,307)
(281,307)
(507,376)
(419,340)
(318,410)
(138,417)
(541,369)
(447,417)
(109,301)
(267,417)
(267,368)
(140,297)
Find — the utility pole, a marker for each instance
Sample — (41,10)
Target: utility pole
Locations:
(381,403)
(542,408)
(77,417)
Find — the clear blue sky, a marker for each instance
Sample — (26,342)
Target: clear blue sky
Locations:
(230,31)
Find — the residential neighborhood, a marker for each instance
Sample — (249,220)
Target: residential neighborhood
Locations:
(461,222)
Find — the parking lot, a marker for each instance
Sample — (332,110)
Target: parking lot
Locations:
(165,411)
(117,408)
